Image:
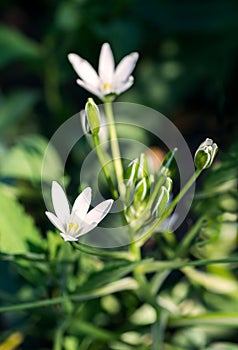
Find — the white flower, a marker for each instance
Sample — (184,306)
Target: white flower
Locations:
(109,80)
(77,222)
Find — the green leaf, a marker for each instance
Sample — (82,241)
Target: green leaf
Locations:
(18,233)
(26,158)
(144,315)
(212,282)
(15,106)
(111,272)
(228,319)
(222,346)
(14,46)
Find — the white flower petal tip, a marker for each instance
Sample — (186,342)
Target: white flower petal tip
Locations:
(77,222)
(109,80)
(68,238)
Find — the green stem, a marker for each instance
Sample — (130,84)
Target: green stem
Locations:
(158,329)
(184,245)
(159,277)
(180,195)
(114,146)
(153,228)
(106,254)
(102,161)
(126,283)
(150,267)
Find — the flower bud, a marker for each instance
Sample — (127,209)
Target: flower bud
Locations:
(162,202)
(143,170)
(93,117)
(168,184)
(205,154)
(141,190)
(131,172)
(84,122)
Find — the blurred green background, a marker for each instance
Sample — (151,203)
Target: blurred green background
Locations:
(187,67)
(187,70)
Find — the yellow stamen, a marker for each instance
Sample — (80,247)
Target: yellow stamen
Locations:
(107,86)
(73,226)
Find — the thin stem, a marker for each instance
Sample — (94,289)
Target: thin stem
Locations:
(183,246)
(126,283)
(159,277)
(150,267)
(158,329)
(114,145)
(95,251)
(102,161)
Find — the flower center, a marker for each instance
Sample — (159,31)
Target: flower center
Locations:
(73,227)
(107,87)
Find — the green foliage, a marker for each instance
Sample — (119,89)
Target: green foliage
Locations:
(15,46)
(169,299)
(18,232)
(15,106)
(25,160)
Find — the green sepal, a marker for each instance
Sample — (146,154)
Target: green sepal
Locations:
(205,154)
(162,202)
(93,116)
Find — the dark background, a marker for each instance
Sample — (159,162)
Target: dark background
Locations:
(187,68)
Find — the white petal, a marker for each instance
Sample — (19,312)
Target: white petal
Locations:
(55,221)
(121,87)
(85,229)
(60,202)
(106,64)
(93,89)
(82,203)
(99,212)
(68,238)
(84,70)
(126,67)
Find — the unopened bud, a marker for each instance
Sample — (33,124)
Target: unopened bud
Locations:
(143,170)
(141,190)
(131,172)
(168,184)
(162,202)
(93,117)
(205,154)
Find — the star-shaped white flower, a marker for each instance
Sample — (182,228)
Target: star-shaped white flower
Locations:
(78,221)
(109,80)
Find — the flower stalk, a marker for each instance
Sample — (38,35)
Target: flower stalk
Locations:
(116,155)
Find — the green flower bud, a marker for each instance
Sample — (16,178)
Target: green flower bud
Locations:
(168,184)
(205,154)
(93,117)
(141,191)
(131,172)
(162,202)
(143,170)
(84,122)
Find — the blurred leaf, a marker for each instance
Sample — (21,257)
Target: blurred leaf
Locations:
(67,16)
(15,106)
(26,158)
(146,314)
(212,282)
(14,46)
(17,230)
(111,272)
(228,319)
(223,346)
